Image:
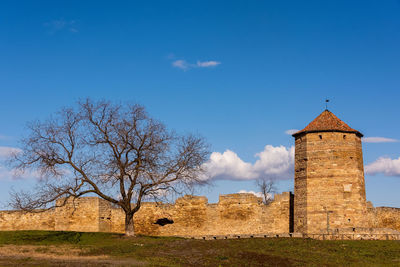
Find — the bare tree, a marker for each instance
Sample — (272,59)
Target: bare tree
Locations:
(111,150)
(267,188)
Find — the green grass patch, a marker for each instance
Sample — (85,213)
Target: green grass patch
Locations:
(168,251)
(52,237)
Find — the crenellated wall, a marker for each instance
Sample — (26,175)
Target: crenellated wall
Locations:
(191,215)
(234,214)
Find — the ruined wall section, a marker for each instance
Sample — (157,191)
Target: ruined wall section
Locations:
(384,217)
(334,183)
(193,216)
(234,214)
(19,220)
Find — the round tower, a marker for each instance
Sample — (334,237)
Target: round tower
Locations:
(329,176)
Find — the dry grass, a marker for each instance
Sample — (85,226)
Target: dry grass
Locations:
(38,248)
(62,255)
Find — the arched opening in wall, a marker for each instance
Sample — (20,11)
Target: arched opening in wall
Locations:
(344,136)
(320,136)
(164,221)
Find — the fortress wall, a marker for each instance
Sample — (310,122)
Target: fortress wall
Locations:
(193,216)
(117,220)
(88,214)
(19,220)
(104,216)
(234,214)
(81,214)
(384,217)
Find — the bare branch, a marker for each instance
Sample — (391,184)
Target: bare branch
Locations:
(267,188)
(111,150)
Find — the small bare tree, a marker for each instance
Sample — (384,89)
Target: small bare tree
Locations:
(267,188)
(111,150)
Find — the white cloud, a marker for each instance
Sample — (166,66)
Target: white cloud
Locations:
(181,64)
(206,64)
(379,140)
(229,165)
(55,26)
(7,173)
(291,131)
(6,151)
(273,162)
(387,166)
(184,65)
(258,194)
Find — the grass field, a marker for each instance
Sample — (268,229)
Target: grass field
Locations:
(41,248)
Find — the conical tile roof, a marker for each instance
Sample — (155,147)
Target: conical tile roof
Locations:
(327,122)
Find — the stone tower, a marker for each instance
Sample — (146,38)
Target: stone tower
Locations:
(329,176)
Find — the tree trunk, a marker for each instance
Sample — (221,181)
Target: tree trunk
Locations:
(129,225)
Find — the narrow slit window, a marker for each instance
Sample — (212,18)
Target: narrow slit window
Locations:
(320,136)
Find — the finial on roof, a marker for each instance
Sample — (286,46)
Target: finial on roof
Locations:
(326,103)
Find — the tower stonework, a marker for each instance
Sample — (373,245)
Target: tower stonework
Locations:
(329,177)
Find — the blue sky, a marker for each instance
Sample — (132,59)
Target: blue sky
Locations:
(240,73)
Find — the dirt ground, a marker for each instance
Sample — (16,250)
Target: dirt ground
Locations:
(64,255)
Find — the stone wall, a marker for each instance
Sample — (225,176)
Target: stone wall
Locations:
(19,220)
(82,215)
(191,216)
(234,214)
(384,217)
(329,182)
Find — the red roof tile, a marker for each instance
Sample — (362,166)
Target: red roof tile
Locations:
(327,122)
